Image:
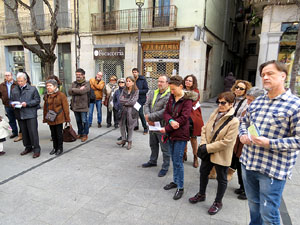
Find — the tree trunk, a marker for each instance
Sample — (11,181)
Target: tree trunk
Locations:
(48,68)
(295,68)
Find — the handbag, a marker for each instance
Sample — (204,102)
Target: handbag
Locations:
(105,101)
(51,114)
(199,154)
(69,134)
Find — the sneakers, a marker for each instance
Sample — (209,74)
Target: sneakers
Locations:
(162,173)
(170,186)
(215,208)
(197,198)
(148,164)
(178,194)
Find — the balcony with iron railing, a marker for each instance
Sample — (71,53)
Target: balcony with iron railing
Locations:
(8,26)
(158,18)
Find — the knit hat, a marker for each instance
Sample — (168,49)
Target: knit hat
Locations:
(52,81)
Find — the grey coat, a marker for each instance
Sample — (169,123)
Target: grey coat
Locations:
(128,111)
(30,95)
(156,113)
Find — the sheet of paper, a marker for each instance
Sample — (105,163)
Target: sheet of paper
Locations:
(196,106)
(137,106)
(15,103)
(156,127)
(18,106)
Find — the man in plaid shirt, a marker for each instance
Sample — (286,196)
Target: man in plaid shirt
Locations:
(267,160)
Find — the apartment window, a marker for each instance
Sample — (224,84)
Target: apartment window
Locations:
(252,49)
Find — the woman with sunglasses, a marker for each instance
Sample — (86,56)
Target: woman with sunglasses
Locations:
(217,140)
(239,89)
(108,92)
(195,120)
(129,115)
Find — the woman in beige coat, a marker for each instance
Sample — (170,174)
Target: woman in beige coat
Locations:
(217,152)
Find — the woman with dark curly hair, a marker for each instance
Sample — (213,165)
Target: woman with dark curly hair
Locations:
(195,120)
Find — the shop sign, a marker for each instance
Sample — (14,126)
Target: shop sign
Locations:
(109,53)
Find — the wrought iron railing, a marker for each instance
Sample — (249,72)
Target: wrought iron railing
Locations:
(127,20)
(8,26)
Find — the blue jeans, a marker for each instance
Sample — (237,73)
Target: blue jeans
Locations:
(99,111)
(264,197)
(82,123)
(177,150)
(12,119)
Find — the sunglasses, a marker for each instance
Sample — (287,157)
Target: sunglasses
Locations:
(222,103)
(121,82)
(238,87)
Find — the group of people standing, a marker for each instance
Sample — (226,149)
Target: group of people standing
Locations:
(172,116)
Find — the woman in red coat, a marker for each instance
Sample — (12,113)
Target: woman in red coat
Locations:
(196,121)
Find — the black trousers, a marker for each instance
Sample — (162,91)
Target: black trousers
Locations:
(30,134)
(205,169)
(57,136)
(109,115)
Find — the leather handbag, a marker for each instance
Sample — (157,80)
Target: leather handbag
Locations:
(69,134)
(51,115)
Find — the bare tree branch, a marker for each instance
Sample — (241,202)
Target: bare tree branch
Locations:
(49,6)
(23,4)
(54,27)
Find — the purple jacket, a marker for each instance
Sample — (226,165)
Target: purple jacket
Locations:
(179,111)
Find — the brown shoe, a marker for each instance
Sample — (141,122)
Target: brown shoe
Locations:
(26,151)
(84,138)
(195,164)
(197,198)
(129,146)
(78,136)
(36,155)
(122,142)
(99,125)
(19,138)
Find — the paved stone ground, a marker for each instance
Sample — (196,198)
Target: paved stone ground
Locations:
(99,182)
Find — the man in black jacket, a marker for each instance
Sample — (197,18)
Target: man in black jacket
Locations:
(26,102)
(142,85)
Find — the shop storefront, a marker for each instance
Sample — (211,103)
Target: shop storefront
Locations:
(110,61)
(287,50)
(158,59)
(15,59)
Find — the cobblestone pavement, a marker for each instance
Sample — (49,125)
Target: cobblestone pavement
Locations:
(98,182)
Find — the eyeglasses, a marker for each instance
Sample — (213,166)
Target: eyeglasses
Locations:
(188,80)
(121,82)
(112,80)
(222,103)
(238,87)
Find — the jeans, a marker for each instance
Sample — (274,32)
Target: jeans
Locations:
(177,150)
(205,168)
(99,111)
(155,141)
(12,119)
(57,136)
(264,196)
(82,123)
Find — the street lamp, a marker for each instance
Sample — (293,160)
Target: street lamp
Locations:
(140,4)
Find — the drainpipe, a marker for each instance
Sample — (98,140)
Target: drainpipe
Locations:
(224,33)
(75,31)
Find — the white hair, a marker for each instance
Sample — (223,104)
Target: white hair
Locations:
(21,74)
